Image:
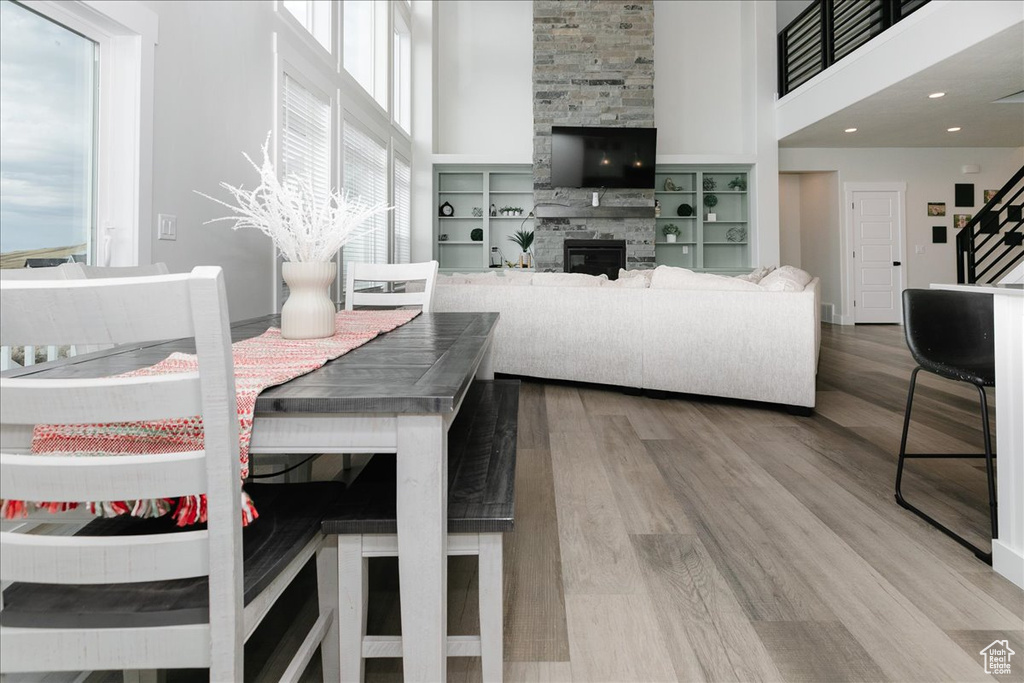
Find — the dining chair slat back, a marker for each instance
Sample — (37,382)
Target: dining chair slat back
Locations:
(116,311)
(390,273)
(65,271)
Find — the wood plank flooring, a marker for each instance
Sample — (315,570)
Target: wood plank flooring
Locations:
(707,540)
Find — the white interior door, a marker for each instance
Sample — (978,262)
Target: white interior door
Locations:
(877,258)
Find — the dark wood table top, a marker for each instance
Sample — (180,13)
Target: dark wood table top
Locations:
(424,366)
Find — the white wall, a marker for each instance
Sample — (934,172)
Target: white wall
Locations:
(213,100)
(789,219)
(930,175)
(698,78)
(819,232)
(485,78)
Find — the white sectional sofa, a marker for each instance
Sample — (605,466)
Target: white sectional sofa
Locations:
(748,343)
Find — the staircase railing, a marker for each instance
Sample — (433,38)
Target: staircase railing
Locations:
(992,242)
(828,30)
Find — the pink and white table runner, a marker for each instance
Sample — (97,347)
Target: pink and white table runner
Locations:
(260,362)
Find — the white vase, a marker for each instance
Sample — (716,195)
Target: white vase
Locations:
(670,238)
(309,311)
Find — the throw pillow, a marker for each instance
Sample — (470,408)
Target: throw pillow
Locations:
(567,280)
(756,275)
(668,277)
(786,279)
(644,275)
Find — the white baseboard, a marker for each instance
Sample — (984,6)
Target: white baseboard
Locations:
(1008,562)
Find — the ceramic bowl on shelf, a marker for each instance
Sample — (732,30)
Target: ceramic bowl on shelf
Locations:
(684,210)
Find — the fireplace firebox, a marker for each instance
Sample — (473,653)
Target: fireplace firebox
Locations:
(595,257)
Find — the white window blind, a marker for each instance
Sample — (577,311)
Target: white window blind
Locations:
(403,210)
(366,174)
(306,137)
(305,144)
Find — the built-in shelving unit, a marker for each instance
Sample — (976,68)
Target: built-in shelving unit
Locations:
(479,187)
(721,245)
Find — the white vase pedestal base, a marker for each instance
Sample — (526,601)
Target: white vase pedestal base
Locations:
(309,311)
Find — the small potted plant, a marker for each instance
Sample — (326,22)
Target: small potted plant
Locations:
(670,231)
(738,183)
(523,238)
(711,201)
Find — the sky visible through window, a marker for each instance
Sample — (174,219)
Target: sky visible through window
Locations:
(47,135)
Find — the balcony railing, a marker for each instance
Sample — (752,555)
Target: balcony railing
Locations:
(829,30)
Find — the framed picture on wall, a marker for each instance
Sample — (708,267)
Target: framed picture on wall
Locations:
(938,234)
(936,208)
(964,193)
(960,220)
(988,195)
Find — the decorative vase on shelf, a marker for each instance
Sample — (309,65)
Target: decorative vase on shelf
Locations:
(309,311)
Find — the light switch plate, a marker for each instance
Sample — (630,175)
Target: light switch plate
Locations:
(686,250)
(918,248)
(166,227)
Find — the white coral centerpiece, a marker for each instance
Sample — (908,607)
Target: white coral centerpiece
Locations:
(308,230)
(304,227)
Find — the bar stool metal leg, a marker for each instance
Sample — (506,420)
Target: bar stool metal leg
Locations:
(989,470)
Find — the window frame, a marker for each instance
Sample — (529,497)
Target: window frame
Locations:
(126,35)
(324,69)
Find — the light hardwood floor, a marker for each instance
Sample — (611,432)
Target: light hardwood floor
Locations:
(700,540)
(703,540)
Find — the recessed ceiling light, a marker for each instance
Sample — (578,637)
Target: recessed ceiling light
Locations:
(850,130)
(937,95)
(953,129)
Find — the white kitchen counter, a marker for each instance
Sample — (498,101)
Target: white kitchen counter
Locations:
(1008,308)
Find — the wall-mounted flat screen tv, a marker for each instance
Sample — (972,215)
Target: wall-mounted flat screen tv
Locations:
(603,157)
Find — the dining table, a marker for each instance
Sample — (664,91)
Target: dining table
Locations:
(398,393)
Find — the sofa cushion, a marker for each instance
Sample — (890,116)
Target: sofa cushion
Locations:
(644,275)
(627,283)
(516,278)
(669,277)
(756,275)
(567,280)
(785,279)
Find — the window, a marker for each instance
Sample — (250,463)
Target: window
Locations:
(306,136)
(403,211)
(401,79)
(48,94)
(366,174)
(365,45)
(315,17)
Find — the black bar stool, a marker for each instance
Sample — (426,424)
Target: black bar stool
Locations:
(950,334)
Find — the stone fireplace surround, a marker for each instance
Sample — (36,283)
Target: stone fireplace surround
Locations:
(593,65)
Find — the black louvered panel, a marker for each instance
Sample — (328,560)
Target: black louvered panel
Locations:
(855,22)
(828,30)
(804,48)
(904,8)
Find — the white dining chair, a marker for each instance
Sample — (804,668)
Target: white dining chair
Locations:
(390,273)
(98,272)
(140,594)
(65,271)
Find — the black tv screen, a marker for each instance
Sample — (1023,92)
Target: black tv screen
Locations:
(603,157)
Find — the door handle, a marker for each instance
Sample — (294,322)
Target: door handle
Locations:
(897,263)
